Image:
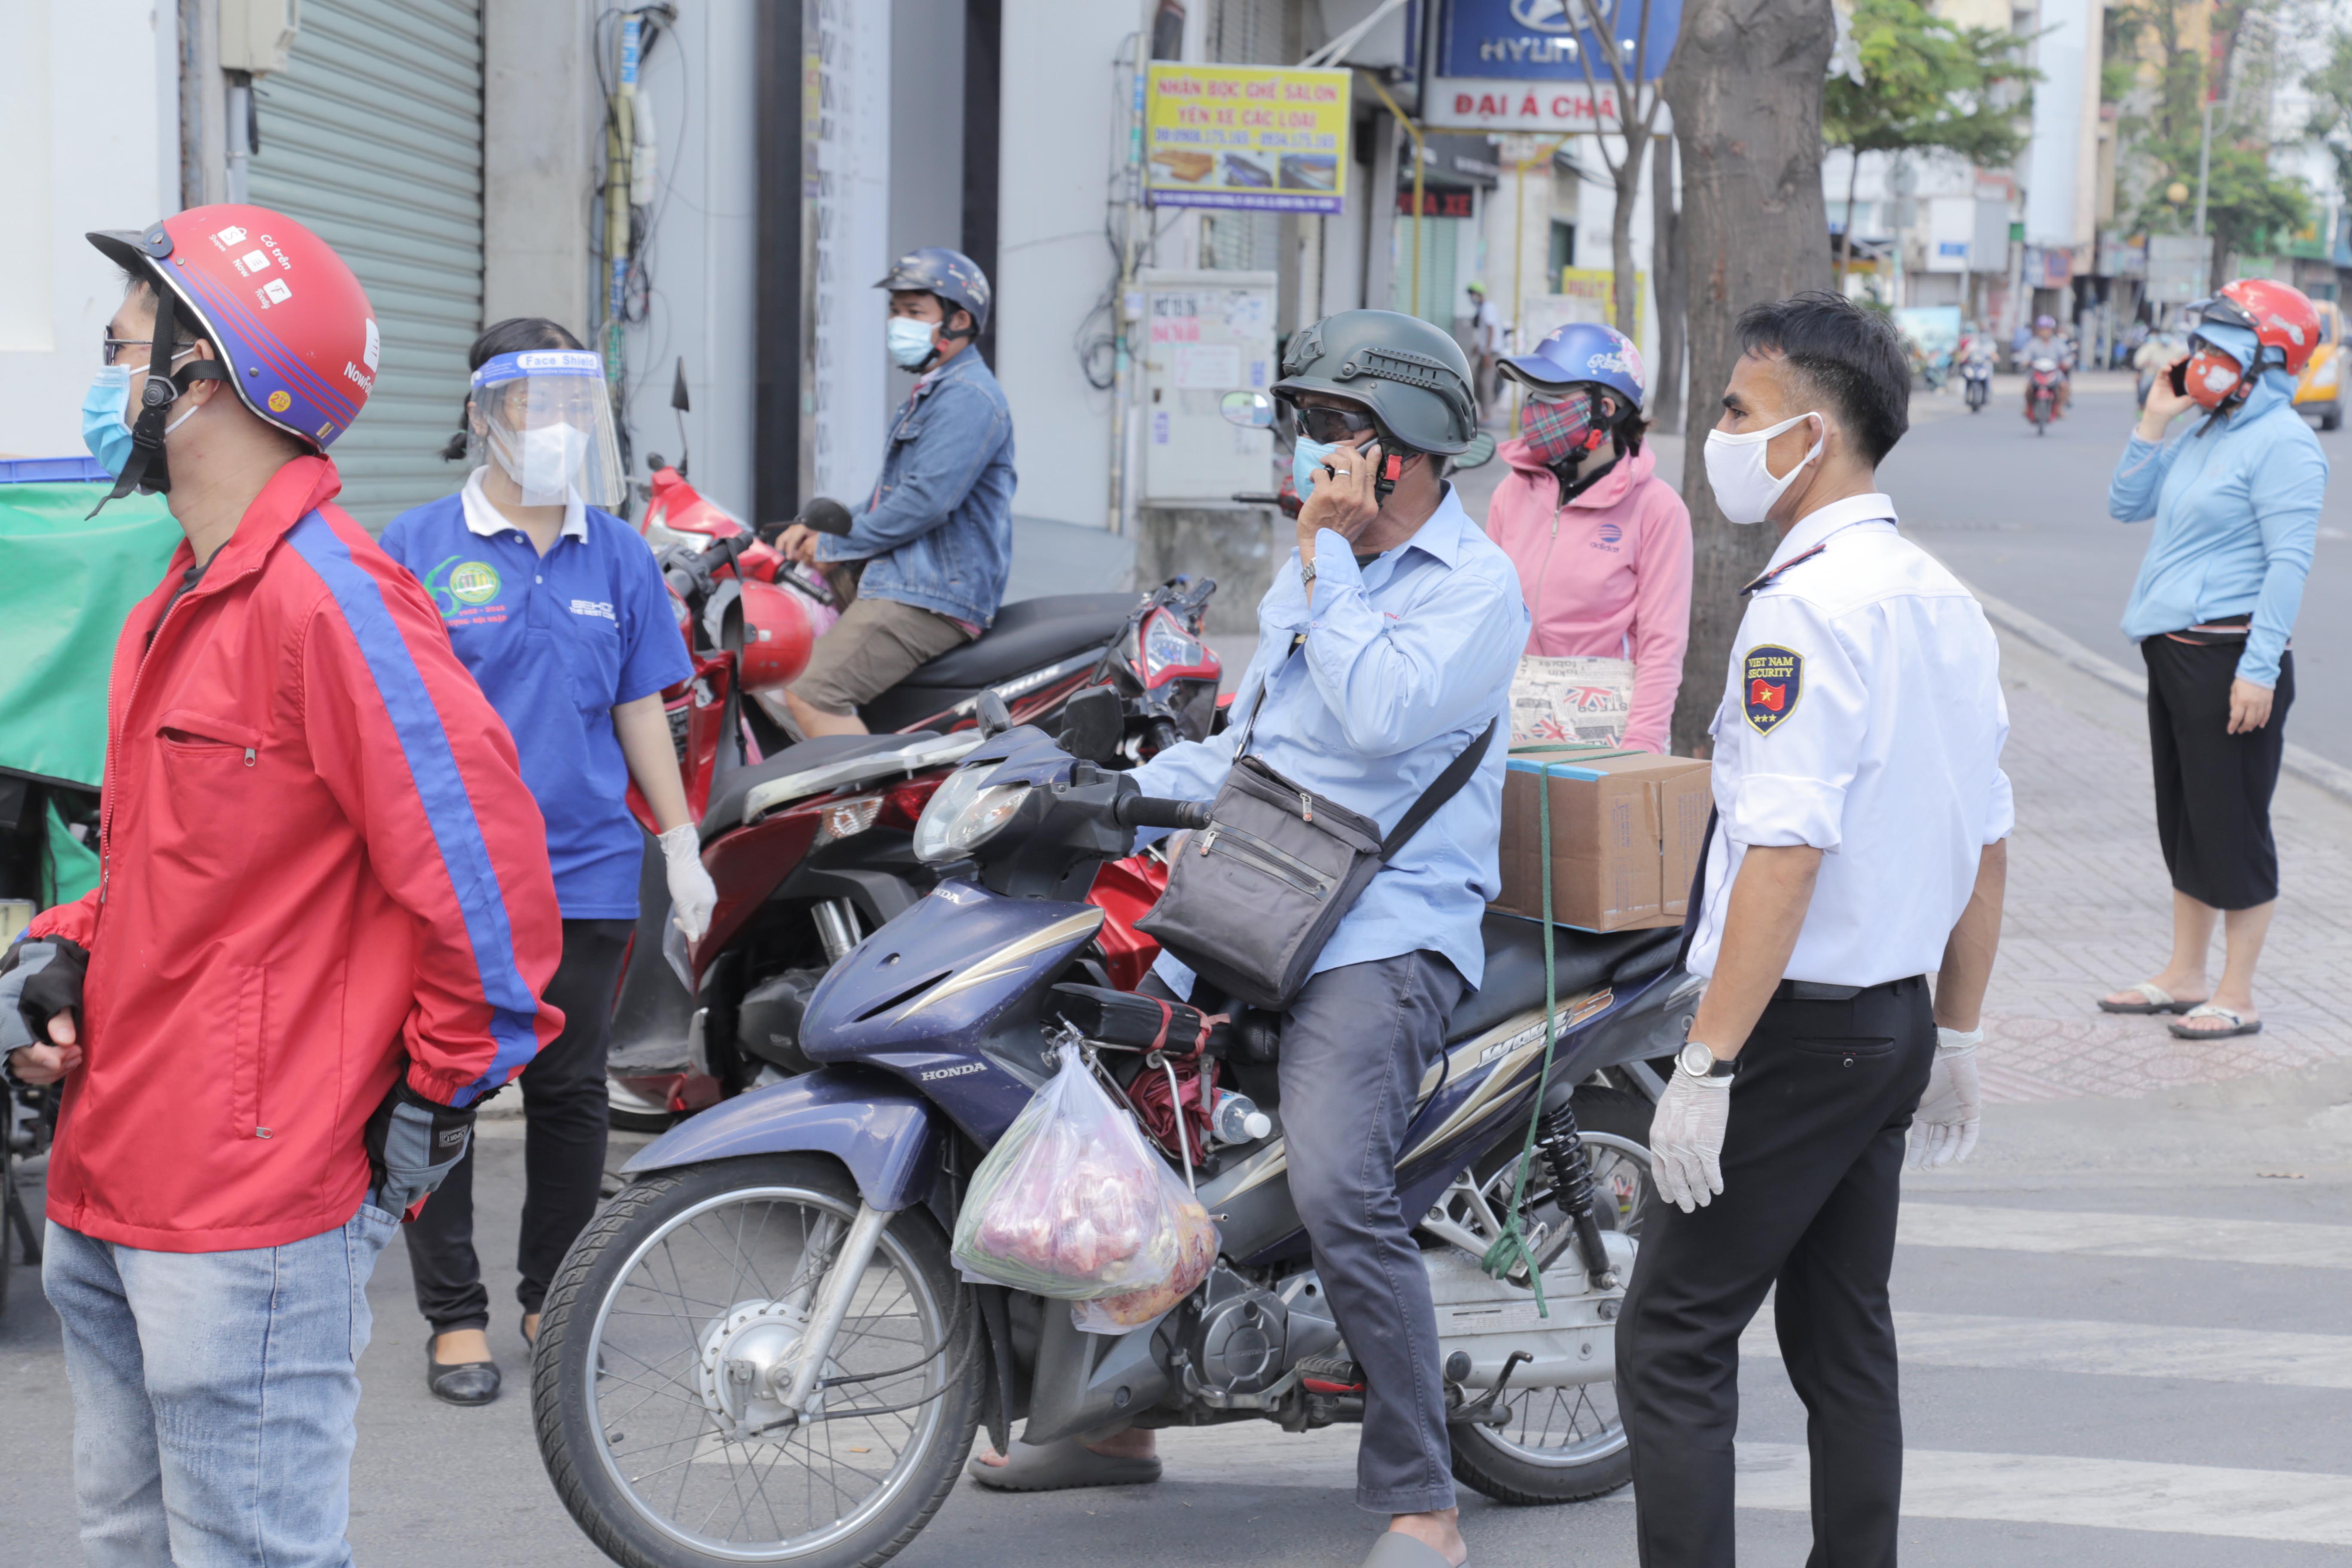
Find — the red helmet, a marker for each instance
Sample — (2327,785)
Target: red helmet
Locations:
(290,322)
(776,636)
(2281,317)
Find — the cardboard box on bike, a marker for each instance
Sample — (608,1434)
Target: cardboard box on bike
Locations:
(1626,830)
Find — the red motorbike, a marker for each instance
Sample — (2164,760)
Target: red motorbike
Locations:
(810,842)
(2044,382)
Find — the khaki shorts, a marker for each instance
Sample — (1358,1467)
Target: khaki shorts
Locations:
(877,644)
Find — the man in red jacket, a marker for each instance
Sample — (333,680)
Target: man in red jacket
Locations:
(323,920)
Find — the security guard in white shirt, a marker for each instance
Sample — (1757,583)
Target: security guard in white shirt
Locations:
(1861,820)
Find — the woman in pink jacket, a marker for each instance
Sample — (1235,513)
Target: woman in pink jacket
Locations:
(1602,544)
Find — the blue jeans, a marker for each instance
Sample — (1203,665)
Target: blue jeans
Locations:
(214,1394)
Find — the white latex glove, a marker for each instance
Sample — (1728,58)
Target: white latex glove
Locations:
(692,896)
(1944,1129)
(1686,1139)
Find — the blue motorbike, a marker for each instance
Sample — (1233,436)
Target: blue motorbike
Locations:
(760,1350)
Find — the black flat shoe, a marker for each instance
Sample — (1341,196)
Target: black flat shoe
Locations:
(460,1382)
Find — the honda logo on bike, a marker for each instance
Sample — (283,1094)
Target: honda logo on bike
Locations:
(954,1072)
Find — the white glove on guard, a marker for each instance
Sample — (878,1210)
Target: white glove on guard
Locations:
(1944,1128)
(692,896)
(1686,1140)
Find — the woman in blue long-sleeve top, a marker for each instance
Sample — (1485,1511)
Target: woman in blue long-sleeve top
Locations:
(2235,497)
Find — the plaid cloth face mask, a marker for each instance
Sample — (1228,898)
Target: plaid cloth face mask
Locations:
(1559,428)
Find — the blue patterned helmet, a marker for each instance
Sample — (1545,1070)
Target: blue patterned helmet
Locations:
(1583,350)
(951,275)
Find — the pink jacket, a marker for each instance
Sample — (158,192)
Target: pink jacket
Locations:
(1607,575)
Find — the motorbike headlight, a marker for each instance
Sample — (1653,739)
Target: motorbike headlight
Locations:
(966,811)
(1168,648)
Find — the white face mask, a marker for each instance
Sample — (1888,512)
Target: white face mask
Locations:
(1745,490)
(551,457)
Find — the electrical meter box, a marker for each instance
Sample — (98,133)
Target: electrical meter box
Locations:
(1204,334)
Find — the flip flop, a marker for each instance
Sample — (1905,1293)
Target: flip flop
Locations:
(1061,1465)
(2153,998)
(1395,1549)
(2238,1023)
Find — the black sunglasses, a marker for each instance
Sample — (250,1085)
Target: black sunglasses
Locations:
(1332,425)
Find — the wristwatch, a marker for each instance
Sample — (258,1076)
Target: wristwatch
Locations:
(1307,570)
(1697,1060)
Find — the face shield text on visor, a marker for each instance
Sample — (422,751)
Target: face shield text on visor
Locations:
(545,418)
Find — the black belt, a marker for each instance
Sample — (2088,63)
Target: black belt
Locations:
(1823,991)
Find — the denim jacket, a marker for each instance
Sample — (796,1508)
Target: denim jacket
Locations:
(937,532)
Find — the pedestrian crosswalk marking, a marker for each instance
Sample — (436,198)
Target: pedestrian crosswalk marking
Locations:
(2099,1494)
(2105,1349)
(2249,1243)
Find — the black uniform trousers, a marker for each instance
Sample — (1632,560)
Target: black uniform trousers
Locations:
(568,1113)
(1813,1162)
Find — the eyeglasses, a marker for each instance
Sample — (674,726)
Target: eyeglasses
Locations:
(1332,425)
(111,349)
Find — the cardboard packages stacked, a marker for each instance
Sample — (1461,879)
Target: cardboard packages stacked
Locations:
(1626,831)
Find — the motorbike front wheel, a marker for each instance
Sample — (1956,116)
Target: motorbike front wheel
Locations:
(651,1382)
(1563,1444)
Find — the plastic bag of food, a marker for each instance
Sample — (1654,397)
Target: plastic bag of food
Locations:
(1196,1253)
(1073,1203)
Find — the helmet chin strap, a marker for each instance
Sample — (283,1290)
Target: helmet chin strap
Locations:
(147,470)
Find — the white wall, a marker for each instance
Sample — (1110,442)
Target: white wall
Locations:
(92,143)
(2053,172)
(848,375)
(1061,109)
(699,81)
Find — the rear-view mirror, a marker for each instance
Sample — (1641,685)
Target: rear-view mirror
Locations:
(1092,724)
(1250,410)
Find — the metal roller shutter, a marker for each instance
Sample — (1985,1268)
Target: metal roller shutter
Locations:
(373,136)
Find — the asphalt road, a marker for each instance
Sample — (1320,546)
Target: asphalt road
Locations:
(2024,517)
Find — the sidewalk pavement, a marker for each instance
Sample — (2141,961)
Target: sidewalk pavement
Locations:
(2090,909)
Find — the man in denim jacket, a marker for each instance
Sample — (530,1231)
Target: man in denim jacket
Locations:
(934,541)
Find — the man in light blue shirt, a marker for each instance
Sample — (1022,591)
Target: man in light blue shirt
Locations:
(1386,647)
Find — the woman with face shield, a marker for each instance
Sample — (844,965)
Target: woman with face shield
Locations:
(559,610)
(2234,495)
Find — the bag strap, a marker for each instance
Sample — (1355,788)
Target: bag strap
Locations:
(1440,789)
(1264,690)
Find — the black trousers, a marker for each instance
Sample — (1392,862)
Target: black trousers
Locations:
(1812,1170)
(566,1108)
(2213,788)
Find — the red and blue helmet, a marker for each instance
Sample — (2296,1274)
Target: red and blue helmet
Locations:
(951,275)
(290,323)
(1583,350)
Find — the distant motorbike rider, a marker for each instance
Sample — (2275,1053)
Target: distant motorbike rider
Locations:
(1386,648)
(932,546)
(2048,343)
(322,925)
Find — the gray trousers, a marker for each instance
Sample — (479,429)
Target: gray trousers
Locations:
(1354,1047)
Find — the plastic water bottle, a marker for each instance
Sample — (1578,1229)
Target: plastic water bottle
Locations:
(1236,1117)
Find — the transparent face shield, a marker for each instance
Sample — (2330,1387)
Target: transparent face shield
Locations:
(544,419)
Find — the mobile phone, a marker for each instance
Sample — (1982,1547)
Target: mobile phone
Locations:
(2178,376)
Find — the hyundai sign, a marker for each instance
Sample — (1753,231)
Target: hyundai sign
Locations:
(1536,65)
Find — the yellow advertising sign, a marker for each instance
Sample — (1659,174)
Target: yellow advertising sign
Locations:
(1246,136)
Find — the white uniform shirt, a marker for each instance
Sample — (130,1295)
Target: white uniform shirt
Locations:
(1863,715)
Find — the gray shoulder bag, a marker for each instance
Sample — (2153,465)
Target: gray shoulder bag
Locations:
(1252,897)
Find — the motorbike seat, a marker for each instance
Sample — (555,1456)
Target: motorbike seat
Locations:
(727,811)
(1028,633)
(1581,961)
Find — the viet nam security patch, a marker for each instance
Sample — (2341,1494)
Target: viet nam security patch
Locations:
(1772,678)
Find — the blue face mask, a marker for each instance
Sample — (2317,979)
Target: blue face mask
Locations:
(103,408)
(1306,460)
(911,342)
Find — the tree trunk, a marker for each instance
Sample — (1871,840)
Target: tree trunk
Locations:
(1669,276)
(1625,304)
(1745,88)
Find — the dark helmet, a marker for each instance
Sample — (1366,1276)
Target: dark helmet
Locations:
(951,275)
(1413,375)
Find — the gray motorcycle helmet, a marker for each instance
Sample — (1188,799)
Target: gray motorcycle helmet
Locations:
(1411,374)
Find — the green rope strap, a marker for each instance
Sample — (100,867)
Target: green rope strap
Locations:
(1510,1249)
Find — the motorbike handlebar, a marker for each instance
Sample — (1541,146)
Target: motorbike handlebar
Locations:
(1151,811)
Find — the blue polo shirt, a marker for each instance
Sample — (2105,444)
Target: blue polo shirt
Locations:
(557,642)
